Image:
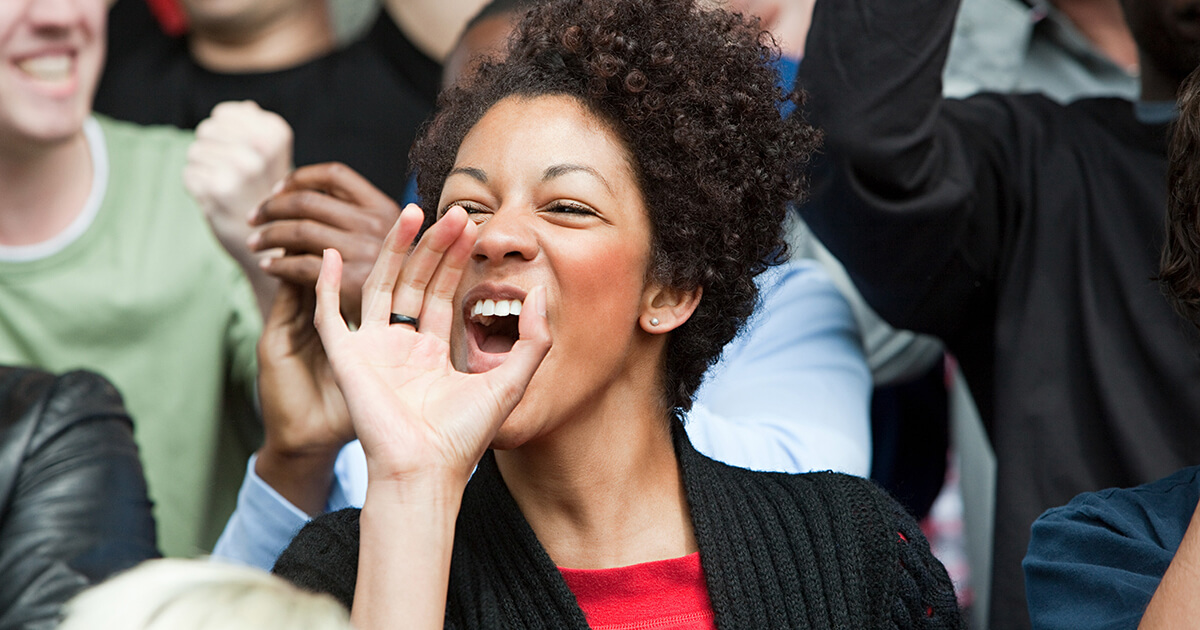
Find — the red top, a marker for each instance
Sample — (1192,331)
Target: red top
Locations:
(662,595)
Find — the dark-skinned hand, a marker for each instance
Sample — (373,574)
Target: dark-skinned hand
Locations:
(319,207)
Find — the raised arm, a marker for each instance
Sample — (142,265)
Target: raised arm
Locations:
(423,424)
(909,194)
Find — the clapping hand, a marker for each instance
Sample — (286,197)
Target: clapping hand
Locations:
(319,207)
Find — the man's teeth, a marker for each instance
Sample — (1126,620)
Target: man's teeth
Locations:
(498,308)
(47,67)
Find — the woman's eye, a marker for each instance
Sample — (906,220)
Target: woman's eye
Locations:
(470,208)
(570,208)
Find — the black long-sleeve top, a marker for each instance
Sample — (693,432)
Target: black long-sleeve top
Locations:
(1026,235)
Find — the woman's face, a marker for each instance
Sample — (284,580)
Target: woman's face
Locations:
(557,204)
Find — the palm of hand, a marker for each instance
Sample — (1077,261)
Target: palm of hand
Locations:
(413,412)
(411,408)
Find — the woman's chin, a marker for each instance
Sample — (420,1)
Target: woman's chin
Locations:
(520,427)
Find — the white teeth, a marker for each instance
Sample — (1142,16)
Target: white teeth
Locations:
(47,67)
(484,310)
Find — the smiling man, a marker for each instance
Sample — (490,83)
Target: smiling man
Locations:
(107,264)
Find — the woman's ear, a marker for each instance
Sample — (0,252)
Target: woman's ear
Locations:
(666,308)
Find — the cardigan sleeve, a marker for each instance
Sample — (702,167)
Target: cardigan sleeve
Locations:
(323,557)
(924,593)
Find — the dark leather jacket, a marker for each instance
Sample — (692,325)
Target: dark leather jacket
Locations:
(73,503)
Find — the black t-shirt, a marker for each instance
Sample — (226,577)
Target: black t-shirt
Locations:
(361,105)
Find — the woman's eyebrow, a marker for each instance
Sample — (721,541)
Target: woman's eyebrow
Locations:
(472,172)
(562,169)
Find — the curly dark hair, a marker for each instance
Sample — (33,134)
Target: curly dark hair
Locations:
(693,96)
(1179,269)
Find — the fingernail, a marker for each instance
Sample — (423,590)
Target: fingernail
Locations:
(253,240)
(277,187)
(252,215)
(264,263)
(541,302)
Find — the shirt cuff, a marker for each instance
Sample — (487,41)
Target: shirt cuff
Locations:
(261,526)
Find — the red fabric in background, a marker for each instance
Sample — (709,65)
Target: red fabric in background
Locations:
(170,16)
(662,595)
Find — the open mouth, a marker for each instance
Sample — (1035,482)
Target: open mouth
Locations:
(493,324)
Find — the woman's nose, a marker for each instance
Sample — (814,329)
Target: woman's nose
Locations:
(507,234)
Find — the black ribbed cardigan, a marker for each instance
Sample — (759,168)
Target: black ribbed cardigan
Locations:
(818,550)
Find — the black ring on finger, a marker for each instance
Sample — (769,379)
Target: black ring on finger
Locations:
(397,318)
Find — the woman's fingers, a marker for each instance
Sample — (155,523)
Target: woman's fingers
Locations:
(409,296)
(509,379)
(437,313)
(328,319)
(379,288)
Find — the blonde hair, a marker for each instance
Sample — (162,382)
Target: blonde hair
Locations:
(174,594)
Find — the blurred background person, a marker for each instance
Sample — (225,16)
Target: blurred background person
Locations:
(360,103)
(73,505)
(1022,233)
(1130,557)
(106,264)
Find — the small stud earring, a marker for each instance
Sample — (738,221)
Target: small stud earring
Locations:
(653,321)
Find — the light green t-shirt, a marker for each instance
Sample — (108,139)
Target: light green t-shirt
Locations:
(142,293)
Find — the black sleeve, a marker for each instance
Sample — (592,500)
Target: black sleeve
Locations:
(924,593)
(78,510)
(912,193)
(323,557)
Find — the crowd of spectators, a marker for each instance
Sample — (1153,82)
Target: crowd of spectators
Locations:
(595,313)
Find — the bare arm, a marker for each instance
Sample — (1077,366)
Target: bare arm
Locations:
(1175,604)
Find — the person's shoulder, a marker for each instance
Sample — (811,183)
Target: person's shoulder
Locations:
(54,403)
(1172,498)
(886,544)
(145,170)
(323,556)
(123,135)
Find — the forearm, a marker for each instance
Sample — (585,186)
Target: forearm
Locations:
(872,70)
(304,479)
(907,179)
(1175,604)
(405,545)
